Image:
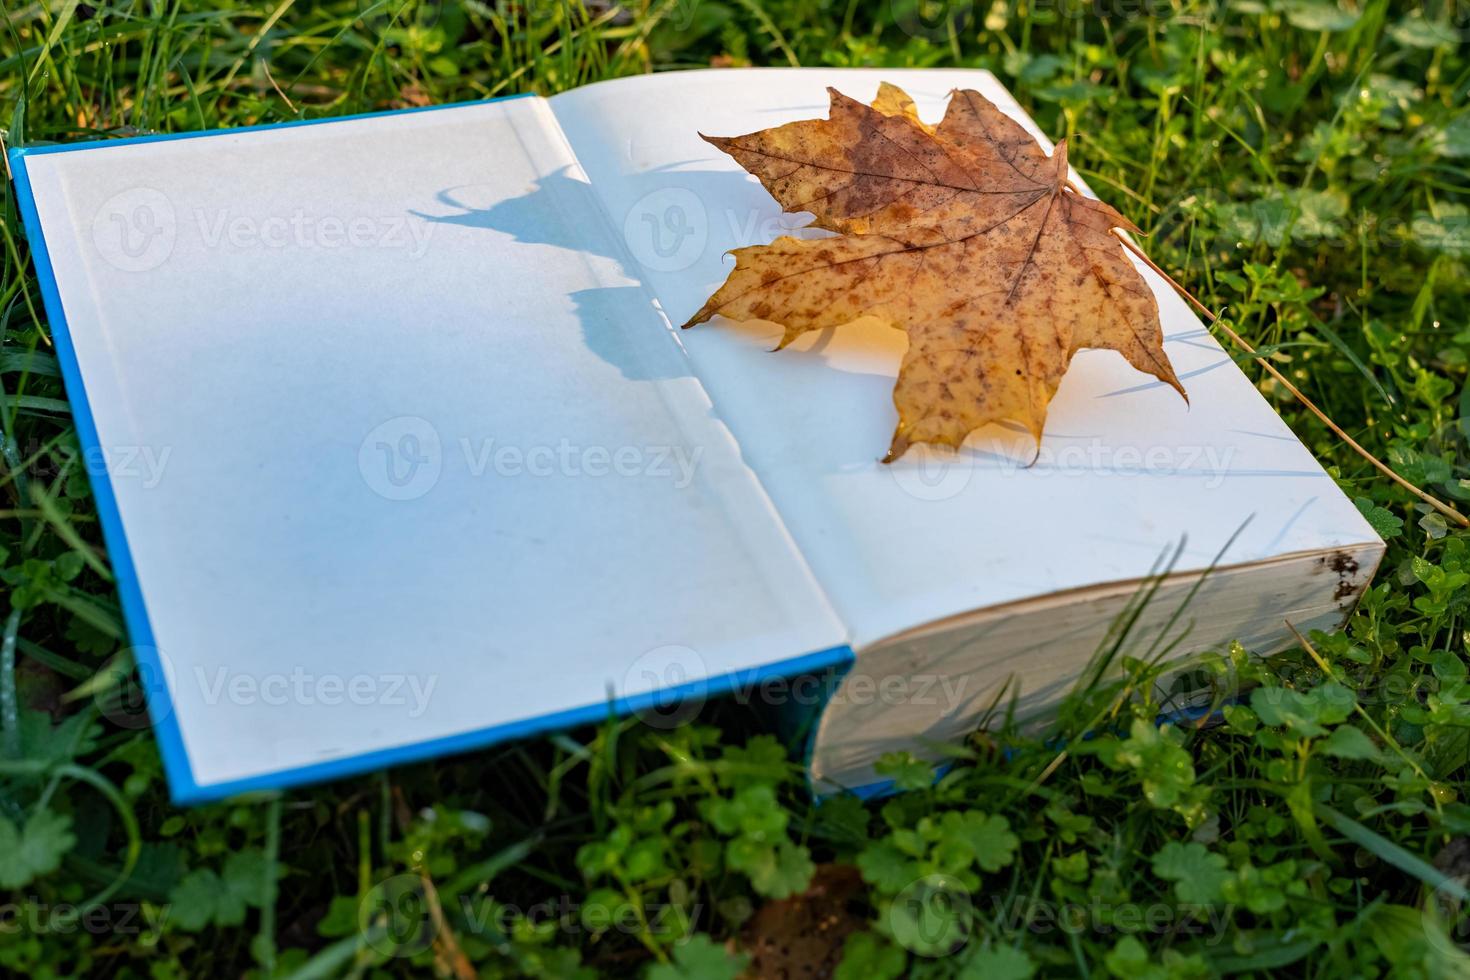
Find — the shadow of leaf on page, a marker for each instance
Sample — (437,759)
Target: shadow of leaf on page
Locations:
(563,212)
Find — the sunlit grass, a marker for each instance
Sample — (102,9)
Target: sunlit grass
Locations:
(1301,166)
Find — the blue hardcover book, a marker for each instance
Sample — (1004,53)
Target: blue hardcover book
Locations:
(404,457)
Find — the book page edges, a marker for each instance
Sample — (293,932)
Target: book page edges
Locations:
(1357,552)
(932,686)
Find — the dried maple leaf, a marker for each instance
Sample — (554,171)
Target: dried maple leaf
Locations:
(965,235)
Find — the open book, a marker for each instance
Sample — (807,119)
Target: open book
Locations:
(397,452)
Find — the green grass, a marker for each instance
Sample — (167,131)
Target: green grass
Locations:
(1301,165)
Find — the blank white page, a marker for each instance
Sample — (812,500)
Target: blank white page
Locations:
(1125,468)
(430,463)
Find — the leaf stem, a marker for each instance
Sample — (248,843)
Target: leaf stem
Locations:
(1236,338)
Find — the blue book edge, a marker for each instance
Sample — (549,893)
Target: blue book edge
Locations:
(184,789)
